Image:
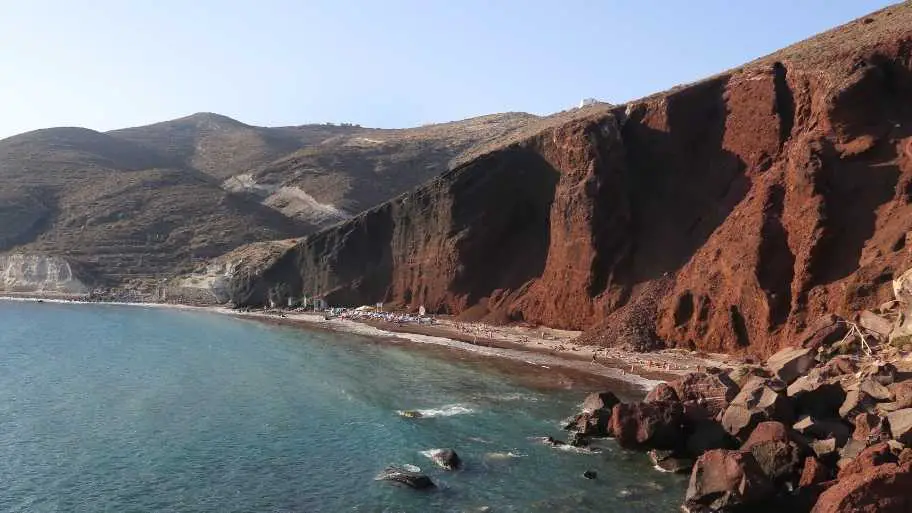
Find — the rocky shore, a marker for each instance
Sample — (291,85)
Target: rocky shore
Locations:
(823,426)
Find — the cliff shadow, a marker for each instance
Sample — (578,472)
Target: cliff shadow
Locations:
(682,183)
(501,219)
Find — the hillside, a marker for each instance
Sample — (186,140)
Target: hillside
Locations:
(725,215)
(134,206)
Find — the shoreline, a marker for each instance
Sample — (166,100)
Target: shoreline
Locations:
(540,347)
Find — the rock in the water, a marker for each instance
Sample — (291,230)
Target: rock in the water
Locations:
(724,480)
(823,332)
(662,392)
(712,390)
(600,401)
(901,425)
(755,403)
(591,423)
(405,477)
(871,429)
(791,363)
(590,474)
(446,459)
(669,461)
(577,439)
(657,424)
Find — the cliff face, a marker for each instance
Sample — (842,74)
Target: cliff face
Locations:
(39,273)
(725,215)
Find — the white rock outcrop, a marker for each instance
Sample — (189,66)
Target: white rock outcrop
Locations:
(24,272)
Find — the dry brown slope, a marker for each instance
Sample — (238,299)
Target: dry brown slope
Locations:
(732,211)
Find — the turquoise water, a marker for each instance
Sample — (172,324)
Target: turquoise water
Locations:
(126,409)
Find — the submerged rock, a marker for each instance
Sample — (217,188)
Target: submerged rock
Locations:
(446,459)
(405,477)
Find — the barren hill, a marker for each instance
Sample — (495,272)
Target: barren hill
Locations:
(141,204)
(724,215)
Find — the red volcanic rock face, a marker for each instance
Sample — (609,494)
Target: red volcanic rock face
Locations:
(728,215)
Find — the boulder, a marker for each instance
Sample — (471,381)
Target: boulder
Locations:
(823,429)
(577,439)
(824,331)
(902,397)
(817,394)
(813,472)
(670,461)
(901,334)
(780,458)
(875,390)
(881,489)
(875,324)
(662,392)
(883,373)
(791,363)
(901,425)
(755,403)
(446,459)
(827,450)
(600,401)
(868,458)
(707,435)
(405,477)
(740,375)
(713,390)
(591,423)
(724,480)
(856,402)
(658,424)
(871,429)
(851,449)
(902,287)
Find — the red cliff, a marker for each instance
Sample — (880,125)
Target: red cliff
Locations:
(724,215)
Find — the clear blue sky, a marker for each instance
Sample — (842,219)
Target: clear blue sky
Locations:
(108,64)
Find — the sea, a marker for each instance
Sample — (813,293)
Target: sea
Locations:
(107,408)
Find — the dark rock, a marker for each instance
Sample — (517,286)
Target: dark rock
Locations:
(871,429)
(662,392)
(707,435)
(590,474)
(447,459)
(577,439)
(591,423)
(712,390)
(657,424)
(817,394)
(600,401)
(725,480)
(791,363)
(669,461)
(823,332)
(401,476)
(823,429)
(778,455)
(901,425)
(757,402)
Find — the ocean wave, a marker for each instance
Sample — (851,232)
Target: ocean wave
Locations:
(443,411)
(503,455)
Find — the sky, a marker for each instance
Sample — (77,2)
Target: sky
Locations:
(106,64)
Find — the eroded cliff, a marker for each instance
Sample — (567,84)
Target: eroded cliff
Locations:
(34,273)
(724,215)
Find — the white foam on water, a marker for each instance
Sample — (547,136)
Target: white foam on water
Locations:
(443,411)
(430,453)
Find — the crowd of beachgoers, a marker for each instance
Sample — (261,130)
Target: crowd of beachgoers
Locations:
(391,317)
